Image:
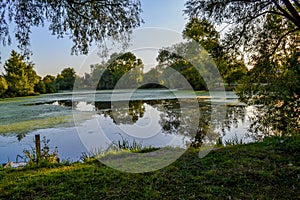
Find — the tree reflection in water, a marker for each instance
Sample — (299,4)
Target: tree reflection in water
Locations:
(172,121)
(136,110)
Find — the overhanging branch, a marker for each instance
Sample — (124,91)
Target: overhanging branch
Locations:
(281,38)
(297,3)
(286,14)
(292,11)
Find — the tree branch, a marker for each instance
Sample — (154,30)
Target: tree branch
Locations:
(281,38)
(99,2)
(247,22)
(297,3)
(286,14)
(76,11)
(292,11)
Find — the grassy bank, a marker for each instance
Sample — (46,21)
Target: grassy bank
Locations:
(266,170)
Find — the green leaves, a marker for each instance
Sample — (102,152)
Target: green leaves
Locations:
(274,85)
(268,32)
(20,76)
(3,85)
(85,22)
(204,33)
(66,79)
(122,70)
(245,19)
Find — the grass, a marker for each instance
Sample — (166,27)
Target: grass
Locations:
(264,170)
(229,142)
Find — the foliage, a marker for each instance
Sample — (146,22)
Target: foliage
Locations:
(268,31)
(50,84)
(245,19)
(20,76)
(65,80)
(230,142)
(267,170)
(3,85)
(185,68)
(124,67)
(40,87)
(203,32)
(276,83)
(85,22)
(91,80)
(202,61)
(151,79)
(174,58)
(46,156)
(122,70)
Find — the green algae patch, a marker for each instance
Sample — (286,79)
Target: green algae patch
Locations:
(25,126)
(41,123)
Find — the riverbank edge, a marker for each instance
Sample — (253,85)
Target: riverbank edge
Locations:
(261,170)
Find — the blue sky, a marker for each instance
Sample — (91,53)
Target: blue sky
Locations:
(51,55)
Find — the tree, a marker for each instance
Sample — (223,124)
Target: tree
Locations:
(276,85)
(151,79)
(170,60)
(97,71)
(123,70)
(40,88)
(269,32)
(65,80)
(3,86)
(50,84)
(85,21)
(245,19)
(202,31)
(192,62)
(20,76)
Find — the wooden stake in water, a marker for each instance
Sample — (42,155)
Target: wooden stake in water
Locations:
(38,146)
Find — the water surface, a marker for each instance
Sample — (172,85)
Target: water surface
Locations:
(150,117)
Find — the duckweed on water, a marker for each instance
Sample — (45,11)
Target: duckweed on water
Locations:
(25,126)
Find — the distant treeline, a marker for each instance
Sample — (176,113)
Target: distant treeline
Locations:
(20,79)
(127,71)
(122,70)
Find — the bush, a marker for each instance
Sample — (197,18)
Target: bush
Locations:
(46,156)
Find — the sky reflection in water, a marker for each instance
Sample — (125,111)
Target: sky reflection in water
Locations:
(150,122)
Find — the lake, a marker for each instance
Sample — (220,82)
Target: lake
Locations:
(85,121)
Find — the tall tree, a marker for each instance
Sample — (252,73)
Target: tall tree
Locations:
(169,60)
(97,71)
(20,76)
(274,83)
(202,31)
(123,67)
(85,22)
(269,32)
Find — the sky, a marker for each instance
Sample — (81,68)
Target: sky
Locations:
(164,23)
